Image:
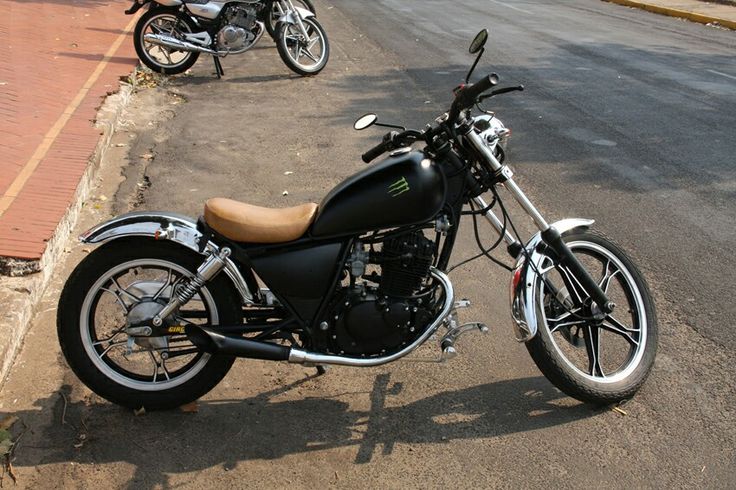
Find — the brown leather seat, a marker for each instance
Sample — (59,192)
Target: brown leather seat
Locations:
(243,222)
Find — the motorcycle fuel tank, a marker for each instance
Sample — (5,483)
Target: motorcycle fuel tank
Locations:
(404,189)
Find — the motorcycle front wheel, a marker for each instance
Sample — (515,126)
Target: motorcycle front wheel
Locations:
(121,283)
(305,55)
(161,59)
(595,358)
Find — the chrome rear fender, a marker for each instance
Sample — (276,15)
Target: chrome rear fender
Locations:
(173,227)
(524,281)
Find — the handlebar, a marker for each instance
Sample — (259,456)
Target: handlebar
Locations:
(376,151)
(391,141)
(469,94)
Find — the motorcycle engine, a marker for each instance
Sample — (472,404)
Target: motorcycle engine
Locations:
(383,312)
(240,28)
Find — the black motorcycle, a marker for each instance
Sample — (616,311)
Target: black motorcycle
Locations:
(156,315)
(172,34)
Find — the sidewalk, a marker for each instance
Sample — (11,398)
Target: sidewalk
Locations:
(60,58)
(693,10)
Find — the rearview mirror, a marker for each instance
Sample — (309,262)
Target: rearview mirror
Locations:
(365,121)
(478,41)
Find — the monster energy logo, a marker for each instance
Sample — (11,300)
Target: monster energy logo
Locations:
(398,187)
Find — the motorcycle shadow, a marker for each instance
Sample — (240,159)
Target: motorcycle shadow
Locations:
(199,79)
(226,432)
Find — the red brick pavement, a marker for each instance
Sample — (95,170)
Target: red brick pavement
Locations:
(58,61)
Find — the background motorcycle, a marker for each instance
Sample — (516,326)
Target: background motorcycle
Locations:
(172,34)
(148,319)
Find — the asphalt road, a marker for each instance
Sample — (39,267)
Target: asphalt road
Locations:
(626,119)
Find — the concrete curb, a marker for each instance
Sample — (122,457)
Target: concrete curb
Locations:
(19,295)
(683,14)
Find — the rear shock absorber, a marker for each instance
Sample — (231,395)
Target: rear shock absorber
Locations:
(209,269)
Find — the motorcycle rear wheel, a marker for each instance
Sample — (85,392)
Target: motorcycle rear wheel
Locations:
(158,58)
(595,361)
(138,275)
(306,57)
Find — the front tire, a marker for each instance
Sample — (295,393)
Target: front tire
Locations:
(305,56)
(120,279)
(158,58)
(595,361)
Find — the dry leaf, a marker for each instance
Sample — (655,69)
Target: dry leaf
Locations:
(285,193)
(288,172)
(147,156)
(192,407)
(8,421)
(619,410)
(140,411)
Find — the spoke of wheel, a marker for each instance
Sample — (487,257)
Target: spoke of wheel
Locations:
(615,326)
(155,366)
(115,281)
(310,55)
(606,279)
(114,344)
(563,316)
(117,298)
(108,339)
(312,42)
(593,346)
(566,324)
(573,284)
(167,55)
(163,366)
(163,288)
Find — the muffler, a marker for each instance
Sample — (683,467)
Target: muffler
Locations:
(178,44)
(215,343)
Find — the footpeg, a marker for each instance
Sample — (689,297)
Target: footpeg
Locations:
(447,344)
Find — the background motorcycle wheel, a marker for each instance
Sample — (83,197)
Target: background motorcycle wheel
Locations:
(275,14)
(306,57)
(596,362)
(158,58)
(129,277)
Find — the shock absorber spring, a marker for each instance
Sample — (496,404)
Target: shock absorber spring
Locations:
(209,269)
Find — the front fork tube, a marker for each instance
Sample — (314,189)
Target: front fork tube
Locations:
(550,235)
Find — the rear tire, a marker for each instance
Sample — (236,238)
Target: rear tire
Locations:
(87,354)
(556,347)
(155,57)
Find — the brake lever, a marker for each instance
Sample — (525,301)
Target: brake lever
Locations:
(500,91)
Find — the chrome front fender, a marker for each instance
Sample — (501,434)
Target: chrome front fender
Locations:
(290,18)
(524,281)
(173,227)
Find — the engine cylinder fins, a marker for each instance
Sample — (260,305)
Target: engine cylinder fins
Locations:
(405,262)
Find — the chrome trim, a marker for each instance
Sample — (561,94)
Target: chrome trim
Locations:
(477,142)
(209,10)
(173,227)
(290,18)
(169,3)
(299,356)
(174,43)
(523,297)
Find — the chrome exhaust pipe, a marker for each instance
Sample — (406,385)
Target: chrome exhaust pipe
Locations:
(174,43)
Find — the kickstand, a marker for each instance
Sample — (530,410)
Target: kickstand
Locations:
(321,369)
(218,67)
